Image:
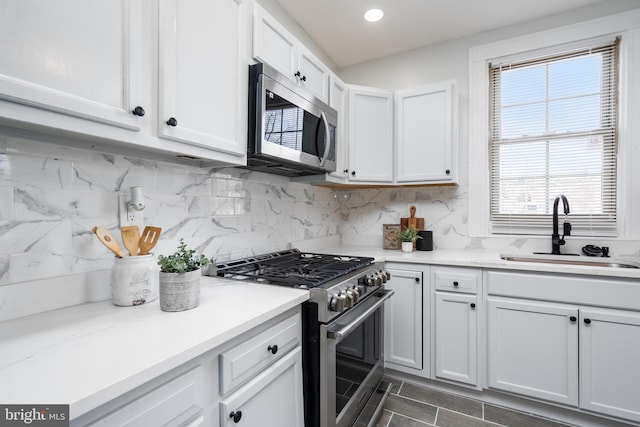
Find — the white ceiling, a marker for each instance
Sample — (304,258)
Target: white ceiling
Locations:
(339,29)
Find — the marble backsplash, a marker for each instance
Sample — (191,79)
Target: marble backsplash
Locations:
(51,197)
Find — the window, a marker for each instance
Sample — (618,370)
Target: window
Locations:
(553,130)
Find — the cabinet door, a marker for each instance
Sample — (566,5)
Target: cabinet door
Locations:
(456,337)
(338,101)
(273,44)
(609,355)
(73,57)
(314,75)
(203,74)
(403,320)
(533,349)
(273,398)
(370,135)
(426,133)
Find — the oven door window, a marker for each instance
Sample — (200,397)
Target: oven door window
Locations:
(356,356)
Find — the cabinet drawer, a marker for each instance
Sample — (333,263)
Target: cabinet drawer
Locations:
(255,354)
(173,403)
(464,280)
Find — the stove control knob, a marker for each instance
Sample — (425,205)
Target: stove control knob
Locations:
(387,274)
(383,276)
(348,299)
(378,279)
(353,294)
(337,303)
(361,290)
(369,280)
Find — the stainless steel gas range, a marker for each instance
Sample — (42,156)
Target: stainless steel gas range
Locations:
(343,324)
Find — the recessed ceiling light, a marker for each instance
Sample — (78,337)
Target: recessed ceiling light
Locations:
(373,15)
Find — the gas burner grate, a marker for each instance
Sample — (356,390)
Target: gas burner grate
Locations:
(292,268)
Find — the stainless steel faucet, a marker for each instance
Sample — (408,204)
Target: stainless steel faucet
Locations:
(556,240)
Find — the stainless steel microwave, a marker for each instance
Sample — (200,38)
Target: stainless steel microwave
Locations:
(291,132)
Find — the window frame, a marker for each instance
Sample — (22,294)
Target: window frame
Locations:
(625,25)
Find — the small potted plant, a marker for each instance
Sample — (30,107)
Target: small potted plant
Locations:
(407,236)
(180,279)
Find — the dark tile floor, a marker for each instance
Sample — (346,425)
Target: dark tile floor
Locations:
(410,405)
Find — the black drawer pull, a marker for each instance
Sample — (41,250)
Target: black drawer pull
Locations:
(455,283)
(573,318)
(473,305)
(587,321)
(273,348)
(236,415)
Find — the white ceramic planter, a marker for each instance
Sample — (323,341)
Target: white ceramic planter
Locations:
(134,280)
(407,246)
(179,291)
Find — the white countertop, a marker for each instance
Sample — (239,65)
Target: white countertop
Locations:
(89,354)
(482,258)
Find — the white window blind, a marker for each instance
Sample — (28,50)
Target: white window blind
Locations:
(553,131)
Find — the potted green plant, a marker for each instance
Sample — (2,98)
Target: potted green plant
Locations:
(180,278)
(407,236)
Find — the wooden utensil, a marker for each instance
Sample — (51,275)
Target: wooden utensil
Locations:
(131,238)
(149,238)
(107,239)
(418,224)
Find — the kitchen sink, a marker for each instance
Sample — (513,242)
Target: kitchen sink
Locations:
(571,259)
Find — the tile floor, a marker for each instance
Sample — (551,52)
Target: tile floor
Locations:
(410,405)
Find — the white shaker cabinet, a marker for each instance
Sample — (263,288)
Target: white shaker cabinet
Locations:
(274,45)
(273,398)
(403,335)
(427,133)
(609,355)
(338,97)
(203,73)
(456,308)
(533,349)
(73,57)
(371,148)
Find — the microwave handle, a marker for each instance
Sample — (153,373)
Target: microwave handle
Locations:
(327,139)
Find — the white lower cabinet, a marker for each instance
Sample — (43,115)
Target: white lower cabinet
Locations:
(456,337)
(533,349)
(403,333)
(609,356)
(273,398)
(455,313)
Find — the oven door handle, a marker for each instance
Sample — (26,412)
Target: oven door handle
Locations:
(346,330)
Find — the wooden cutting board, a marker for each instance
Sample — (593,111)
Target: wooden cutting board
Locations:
(418,223)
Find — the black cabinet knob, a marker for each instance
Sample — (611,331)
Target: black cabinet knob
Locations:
(303,78)
(417,279)
(273,349)
(473,305)
(172,122)
(346,171)
(455,283)
(353,173)
(138,111)
(236,415)
(448,171)
(587,321)
(573,318)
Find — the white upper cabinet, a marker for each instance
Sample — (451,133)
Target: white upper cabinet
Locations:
(73,57)
(338,97)
(274,45)
(370,135)
(426,133)
(203,73)
(89,71)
